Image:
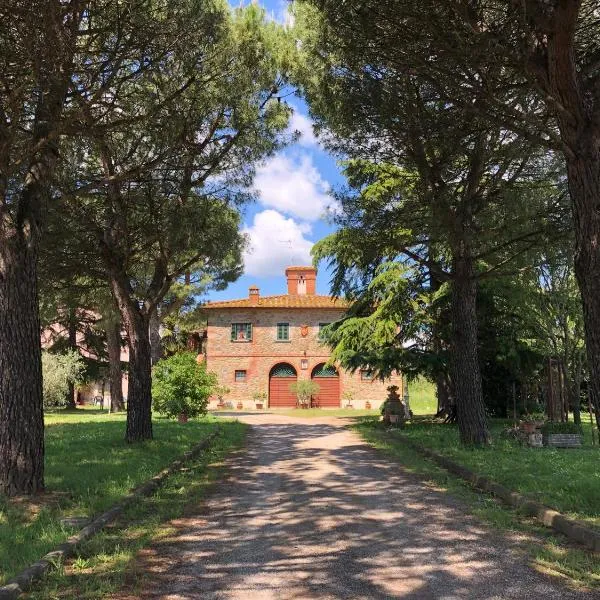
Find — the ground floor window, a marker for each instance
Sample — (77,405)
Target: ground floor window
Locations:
(240,375)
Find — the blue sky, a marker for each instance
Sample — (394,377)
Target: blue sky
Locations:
(292,196)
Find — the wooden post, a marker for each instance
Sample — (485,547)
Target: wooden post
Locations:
(514,395)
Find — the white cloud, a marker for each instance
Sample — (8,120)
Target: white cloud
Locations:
(304,125)
(275,243)
(294,186)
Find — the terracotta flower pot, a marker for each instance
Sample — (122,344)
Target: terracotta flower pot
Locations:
(182,418)
(367,405)
(259,406)
(527,427)
(240,406)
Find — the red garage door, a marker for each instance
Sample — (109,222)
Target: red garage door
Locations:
(280,379)
(329,386)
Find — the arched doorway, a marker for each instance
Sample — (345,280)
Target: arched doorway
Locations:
(328,380)
(282,375)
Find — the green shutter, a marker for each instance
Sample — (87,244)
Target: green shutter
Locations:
(283,331)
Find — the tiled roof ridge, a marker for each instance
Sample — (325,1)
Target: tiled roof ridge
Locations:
(284,301)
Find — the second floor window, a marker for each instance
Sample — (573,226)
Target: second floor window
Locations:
(241,332)
(321,327)
(283,332)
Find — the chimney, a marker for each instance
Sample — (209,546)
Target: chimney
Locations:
(301,281)
(254,295)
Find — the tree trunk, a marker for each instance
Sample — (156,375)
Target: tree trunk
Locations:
(155,341)
(72,333)
(584,187)
(139,397)
(21,406)
(113,346)
(466,373)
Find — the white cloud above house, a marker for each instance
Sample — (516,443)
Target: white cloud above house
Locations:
(275,242)
(302,124)
(292,184)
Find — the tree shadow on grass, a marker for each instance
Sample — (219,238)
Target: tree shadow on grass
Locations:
(89,467)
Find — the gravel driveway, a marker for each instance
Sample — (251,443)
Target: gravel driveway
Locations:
(310,511)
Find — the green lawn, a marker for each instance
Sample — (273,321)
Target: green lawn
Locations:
(422,397)
(88,468)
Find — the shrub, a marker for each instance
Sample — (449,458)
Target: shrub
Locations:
(557,427)
(182,386)
(58,371)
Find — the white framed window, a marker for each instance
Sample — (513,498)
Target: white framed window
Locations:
(241,332)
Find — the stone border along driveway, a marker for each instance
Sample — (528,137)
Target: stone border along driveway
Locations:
(309,511)
(574,530)
(24,580)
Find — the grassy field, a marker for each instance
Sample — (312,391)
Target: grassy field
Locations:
(547,551)
(88,468)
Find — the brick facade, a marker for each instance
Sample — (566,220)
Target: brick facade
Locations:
(259,355)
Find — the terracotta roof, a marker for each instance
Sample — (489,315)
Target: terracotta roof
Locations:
(283,301)
(300,268)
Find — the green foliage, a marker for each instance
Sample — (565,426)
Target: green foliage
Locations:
(304,390)
(182,386)
(58,371)
(558,427)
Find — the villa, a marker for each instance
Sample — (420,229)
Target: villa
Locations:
(263,344)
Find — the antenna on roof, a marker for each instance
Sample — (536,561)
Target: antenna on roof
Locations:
(289,242)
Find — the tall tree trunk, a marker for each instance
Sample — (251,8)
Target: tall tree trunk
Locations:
(466,374)
(584,186)
(72,333)
(51,43)
(113,346)
(155,341)
(139,397)
(21,406)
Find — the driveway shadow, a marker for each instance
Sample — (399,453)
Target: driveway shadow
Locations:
(310,511)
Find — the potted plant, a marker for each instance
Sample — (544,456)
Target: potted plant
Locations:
(181,387)
(240,405)
(348,398)
(562,435)
(304,390)
(260,399)
(532,421)
(367,405)
(220,392)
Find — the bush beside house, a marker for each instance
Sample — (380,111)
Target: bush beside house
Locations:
(181,387)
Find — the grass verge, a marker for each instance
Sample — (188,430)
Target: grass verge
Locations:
(89,467)
(567,480)
(106,563)
(547,551)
